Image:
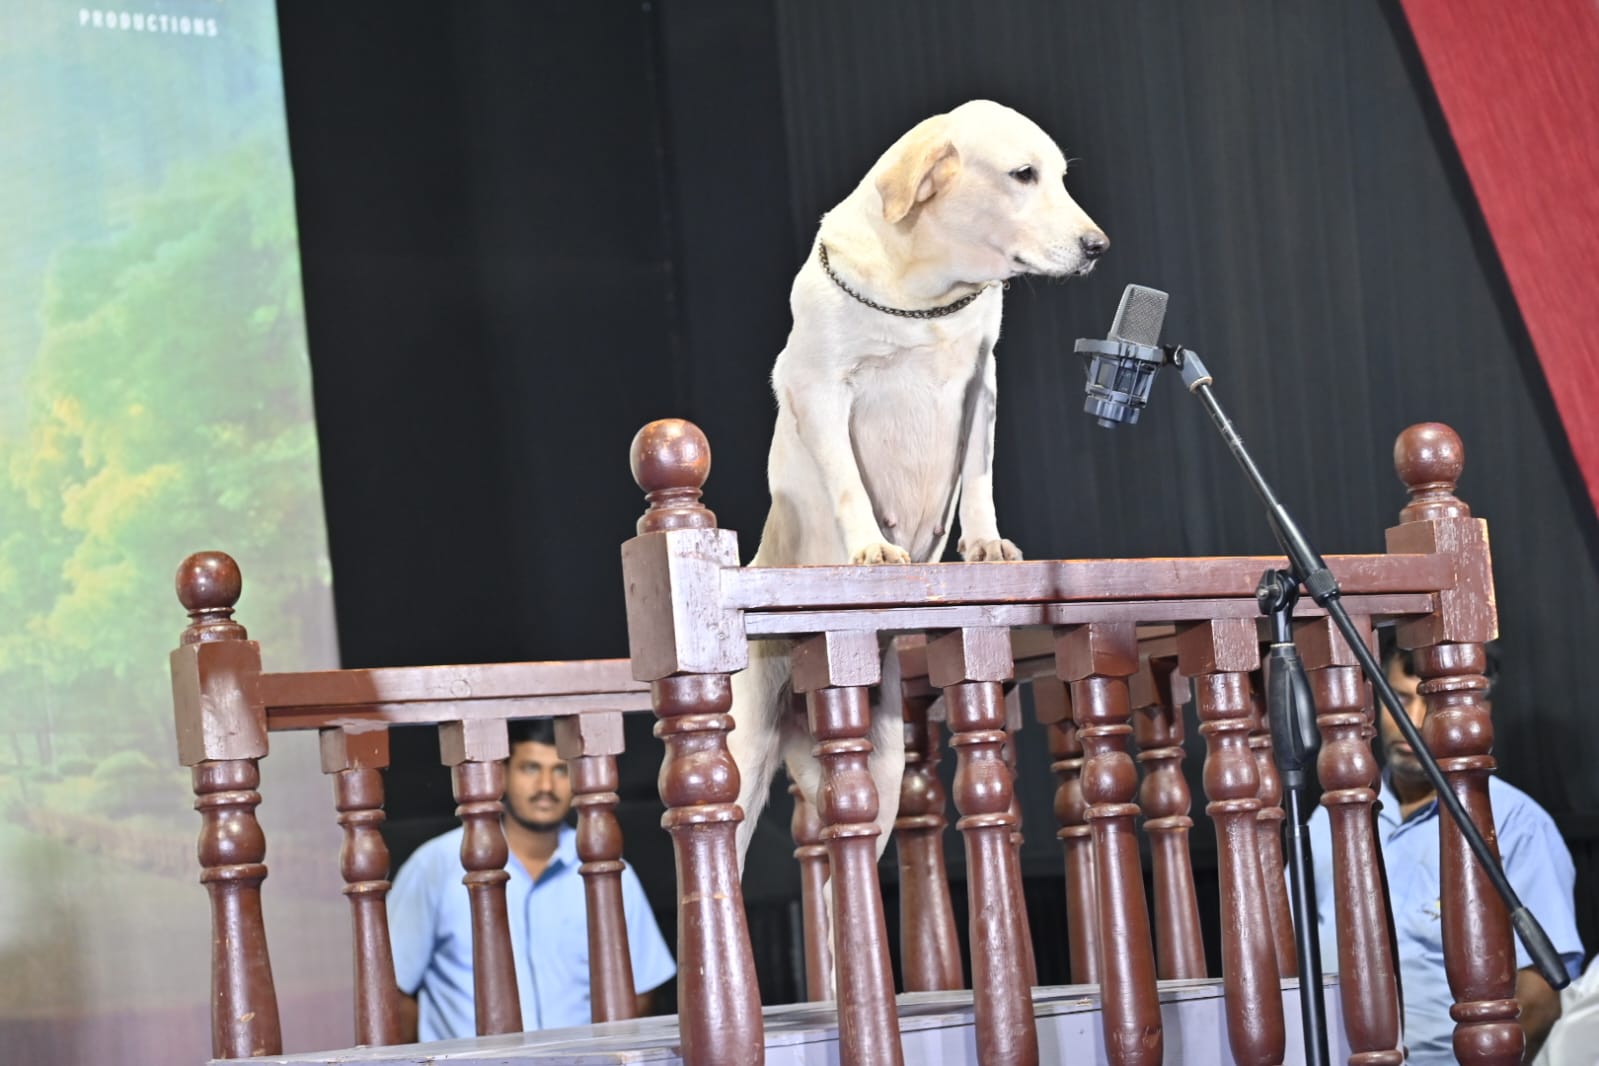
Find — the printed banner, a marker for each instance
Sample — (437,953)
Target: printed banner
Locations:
(155,400)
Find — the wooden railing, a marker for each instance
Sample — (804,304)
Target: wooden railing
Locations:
(226,707)
(1104,645)
(692,612)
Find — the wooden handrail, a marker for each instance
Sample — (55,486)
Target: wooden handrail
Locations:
(226,706)
(793,588)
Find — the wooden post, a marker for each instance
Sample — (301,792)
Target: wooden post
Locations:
(1449,658)
(1367,984)
(357,761)
(222,735)
(475,752)
(590,743)
(687,644)
(1013,725)
(1219,656)
(970,666)
(929,949)
(811,854)
(1269,829)
(1052,707)
(1097,659)
(1163,796)
(833,671)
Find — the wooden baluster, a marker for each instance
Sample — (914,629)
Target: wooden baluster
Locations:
(357,761)
(683,641)
(1218,656)
(1163,796)
(590,743)
(222,735)
(1269,828)
(476,752)
(929,948)
(1052,707)
(1449,659)
(833,671)
(1367,986)
(811,854)
(1097,659)
(1013,725)
(970,665)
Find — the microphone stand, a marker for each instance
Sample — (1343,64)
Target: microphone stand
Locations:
(1308,569)
(1291,717)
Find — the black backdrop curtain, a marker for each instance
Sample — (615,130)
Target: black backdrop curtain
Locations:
(528,229)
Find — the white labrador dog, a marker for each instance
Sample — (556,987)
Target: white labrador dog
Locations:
(886,389)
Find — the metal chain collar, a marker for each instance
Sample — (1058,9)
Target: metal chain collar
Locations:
(930,312)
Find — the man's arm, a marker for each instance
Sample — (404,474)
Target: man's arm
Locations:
(1540,1006)
(407,1013)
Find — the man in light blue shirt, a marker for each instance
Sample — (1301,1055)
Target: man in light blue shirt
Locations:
(430,920)
(1535,859)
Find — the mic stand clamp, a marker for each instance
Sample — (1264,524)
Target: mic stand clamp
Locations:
(1291,718)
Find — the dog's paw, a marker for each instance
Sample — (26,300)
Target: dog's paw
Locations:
(873,554)
(988,551)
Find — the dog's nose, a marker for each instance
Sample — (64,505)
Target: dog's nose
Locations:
(1094,244)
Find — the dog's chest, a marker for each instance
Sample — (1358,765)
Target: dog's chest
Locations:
(911,416)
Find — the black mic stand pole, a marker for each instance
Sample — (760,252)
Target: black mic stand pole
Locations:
(1291,716)
(1309,570)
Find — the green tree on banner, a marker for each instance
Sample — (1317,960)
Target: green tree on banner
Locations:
(167,412)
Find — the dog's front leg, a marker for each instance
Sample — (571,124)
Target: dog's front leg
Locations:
(980,540)
(821,414)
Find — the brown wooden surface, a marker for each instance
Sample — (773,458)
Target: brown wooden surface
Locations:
(688,657)
(481,681)
(1052,706)
(929,947)
(356,762)
(590,743)
(1368,987)
(477,774)
(1269,829)
(970,666)
(1057,581)
(221,734)
(1448,656)
(1164,798)
(833,671)
(1097,660)
(719,999)
(244,1005)
(1013,725)
(907,619)
(1219,656)
(811,854)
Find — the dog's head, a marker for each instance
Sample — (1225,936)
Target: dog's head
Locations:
(986,187)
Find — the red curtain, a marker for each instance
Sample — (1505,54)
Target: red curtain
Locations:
(1519,84)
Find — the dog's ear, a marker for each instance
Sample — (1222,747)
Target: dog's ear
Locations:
(924,162)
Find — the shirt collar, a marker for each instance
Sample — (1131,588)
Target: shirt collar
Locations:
(1390,812)
(565,855)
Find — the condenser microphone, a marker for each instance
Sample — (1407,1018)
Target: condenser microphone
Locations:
(1122,367)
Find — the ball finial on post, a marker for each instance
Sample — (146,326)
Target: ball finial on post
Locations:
(671,460)
(1429,458)
(208,585)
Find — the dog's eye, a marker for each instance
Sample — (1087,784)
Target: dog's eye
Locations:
(1025,175)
